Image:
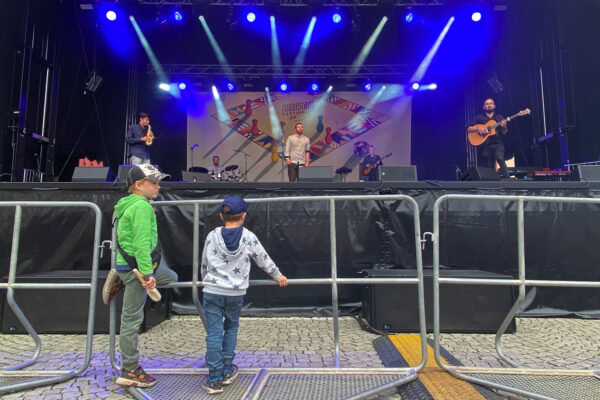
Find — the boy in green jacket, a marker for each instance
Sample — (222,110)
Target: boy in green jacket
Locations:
(137,241)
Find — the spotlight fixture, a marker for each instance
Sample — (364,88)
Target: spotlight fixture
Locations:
(164,86)
(337,18)
(111,15)
(314,87)
(367,87)
(415,86)
(230,86)
(177,16)
(182,85)
(409,17)
(283,87)
(476,16)
(251,17)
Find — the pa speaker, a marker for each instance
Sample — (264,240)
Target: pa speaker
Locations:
(93,174)
(480,174)
(589,173)
(403,173)
(315,174)
(463,308)
(189,176)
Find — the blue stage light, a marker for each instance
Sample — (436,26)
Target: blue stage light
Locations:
(314,87)
(283,87)
(182,86)
(111,15)
(251,17)
(416,86)
(230,86)
(409,17)
(367,87)
(337,18)
(177,16)
(476,16)
(433,86)
(164,86)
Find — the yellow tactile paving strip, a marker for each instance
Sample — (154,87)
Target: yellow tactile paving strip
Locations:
(440,384)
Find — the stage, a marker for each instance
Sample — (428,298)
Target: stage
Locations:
(371,234)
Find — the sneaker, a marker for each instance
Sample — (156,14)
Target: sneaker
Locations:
(138,378)
(111,287)
(229,377)
(215,387)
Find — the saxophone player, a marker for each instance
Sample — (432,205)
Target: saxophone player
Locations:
(139,139)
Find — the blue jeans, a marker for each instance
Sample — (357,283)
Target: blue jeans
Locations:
(135,160)
(222,319)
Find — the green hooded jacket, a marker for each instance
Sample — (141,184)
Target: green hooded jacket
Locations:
(136,231)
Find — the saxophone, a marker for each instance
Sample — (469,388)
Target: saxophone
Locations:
(150,136)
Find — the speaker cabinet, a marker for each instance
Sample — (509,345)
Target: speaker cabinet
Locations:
(190,176)
(93,174)
(66,310)
(315,174)
(401,173)
(480,174)
(463,308)
(589,173)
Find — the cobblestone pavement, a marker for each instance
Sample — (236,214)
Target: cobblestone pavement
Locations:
(292,342)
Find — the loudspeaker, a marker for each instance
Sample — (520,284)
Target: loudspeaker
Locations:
(66,310)
(480,174)
(124,172)
(463,308)
(315,174)
(189,176)
(93,174)
(402,173)
(589,173)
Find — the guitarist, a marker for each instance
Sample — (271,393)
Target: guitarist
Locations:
(371,162)
(493,148)
(138,137)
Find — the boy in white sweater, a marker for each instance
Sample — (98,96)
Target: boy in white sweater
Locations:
(225,273)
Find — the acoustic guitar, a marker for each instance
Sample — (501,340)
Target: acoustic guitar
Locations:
(369,167)
(477,139)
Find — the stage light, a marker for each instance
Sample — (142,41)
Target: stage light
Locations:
(314,87)
(230,86)
(476,16)
(367,87)
(416,86)
(409,17)
(433,86)
(164,86)
(337,18)
(182,86)
(177,16)
(283,87)
(111,15)
(215,92)
(251,17)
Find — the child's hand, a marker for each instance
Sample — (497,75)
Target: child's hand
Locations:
(282,280)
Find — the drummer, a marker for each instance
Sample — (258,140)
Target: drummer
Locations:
(216,170)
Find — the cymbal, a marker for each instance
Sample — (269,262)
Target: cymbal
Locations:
(231,168)
(199,169)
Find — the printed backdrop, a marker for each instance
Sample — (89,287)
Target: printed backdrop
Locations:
(249,129)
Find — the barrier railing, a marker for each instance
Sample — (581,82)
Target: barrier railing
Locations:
(521,282)
(334,281)
(48,377)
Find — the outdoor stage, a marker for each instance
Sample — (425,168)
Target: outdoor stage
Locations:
(476,235)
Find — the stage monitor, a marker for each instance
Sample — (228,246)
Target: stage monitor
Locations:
(589,173)
(480,174)
(190,176)
(315,174)
(93,174)
(401,173)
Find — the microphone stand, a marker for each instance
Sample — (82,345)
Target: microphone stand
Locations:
(246,155)
(192,149)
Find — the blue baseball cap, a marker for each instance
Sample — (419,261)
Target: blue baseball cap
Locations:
(236,205)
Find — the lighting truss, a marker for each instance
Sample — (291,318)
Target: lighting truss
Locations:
(396,71)
(298,3)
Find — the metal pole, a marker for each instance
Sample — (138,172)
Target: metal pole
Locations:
(195,263)
(334,289)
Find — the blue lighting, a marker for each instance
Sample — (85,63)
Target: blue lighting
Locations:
(314,87)
(111,15)
(283,87)
(476,16)
(367,87)
(409,17)
(230,86)
(416,86)
(251,17)
(182,86)
(337,18)
(178,16)
(164,86)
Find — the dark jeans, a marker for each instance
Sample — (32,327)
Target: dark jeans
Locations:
(222,320)
(493,153)
(293,171)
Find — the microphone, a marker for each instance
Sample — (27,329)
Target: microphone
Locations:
(194,146)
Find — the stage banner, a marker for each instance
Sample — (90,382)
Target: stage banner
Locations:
(248,130)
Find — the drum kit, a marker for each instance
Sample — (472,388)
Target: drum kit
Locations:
(231,173)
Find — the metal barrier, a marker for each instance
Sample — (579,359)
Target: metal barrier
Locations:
(257,384)
(585,380)
(12,375)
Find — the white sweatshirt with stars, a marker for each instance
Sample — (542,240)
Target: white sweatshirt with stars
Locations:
(227,272)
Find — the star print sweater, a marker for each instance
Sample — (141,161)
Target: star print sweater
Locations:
(227,272)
